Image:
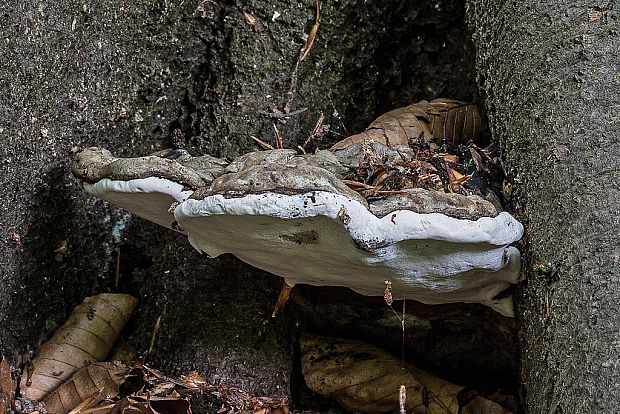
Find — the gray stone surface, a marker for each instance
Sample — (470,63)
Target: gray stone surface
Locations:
(124,75)
(424,201)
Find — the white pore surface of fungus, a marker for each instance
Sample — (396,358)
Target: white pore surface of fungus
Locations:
(321,238)
(149,198)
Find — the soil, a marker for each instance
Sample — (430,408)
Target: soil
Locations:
(125,75)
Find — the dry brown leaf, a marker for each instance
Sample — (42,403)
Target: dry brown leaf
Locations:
(87,336)
(394,128)
(456,179)
(364,378)
(193,380)
(478,161)
(152,405)
(480,405)
(7,386)
(442,119)
(100,380)
(457,122)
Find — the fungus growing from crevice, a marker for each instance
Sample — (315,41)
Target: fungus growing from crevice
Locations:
(358,215)
(308,234)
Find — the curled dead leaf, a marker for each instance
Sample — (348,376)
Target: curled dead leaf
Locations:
(455,121)
(97,382)
(387,293)
(87,336)
(251,20)
(364,378)
(442,119)
(7,386)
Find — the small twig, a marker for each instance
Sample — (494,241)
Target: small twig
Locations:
(98,408)
(154,334)
(357,185)
(337,115)
(303,151)
(86,402)
(402,322)
(312,35)
(302,56)
(278,115)
(389,192)
(263,143)
(278,137)
(402,398)
(291,91)
(315,131)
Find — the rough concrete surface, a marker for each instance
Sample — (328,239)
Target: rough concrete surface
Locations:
(125,74)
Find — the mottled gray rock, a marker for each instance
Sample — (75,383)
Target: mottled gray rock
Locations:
(356,155)
(323,159)
(295,178)
(425,201)
(94,164)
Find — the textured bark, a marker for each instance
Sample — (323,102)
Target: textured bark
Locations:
(550,71)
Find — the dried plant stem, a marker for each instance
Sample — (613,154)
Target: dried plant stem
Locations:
(263,143)
(315,131)
(279,144)
(282,298)
(402,399)
(304,52)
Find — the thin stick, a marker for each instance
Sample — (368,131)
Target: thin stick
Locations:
(282,298)
(279,114)
(312,34)
(86,402)
(154,334)
(549,300)
(302,56)
(278,137)
(263,143)
(315,131)
(402,398)
(357,185)
(396,313)
(98,408)
(402,322)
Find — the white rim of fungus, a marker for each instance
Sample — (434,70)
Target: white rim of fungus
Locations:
(362,225)
(115,190)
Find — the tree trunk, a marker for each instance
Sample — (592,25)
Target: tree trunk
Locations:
(550,71)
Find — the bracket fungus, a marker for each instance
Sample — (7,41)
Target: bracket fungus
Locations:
(145,186)
(300,216)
